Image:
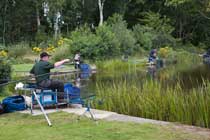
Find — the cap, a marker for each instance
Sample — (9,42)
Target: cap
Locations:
(43,54)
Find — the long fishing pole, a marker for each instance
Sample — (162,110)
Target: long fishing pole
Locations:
(51,73)
(29,76)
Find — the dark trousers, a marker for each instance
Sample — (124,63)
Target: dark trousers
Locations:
(76,64)
(53,85)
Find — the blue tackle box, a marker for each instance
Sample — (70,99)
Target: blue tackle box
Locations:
(47,97)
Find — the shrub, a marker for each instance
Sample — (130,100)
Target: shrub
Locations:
(144,36)
(109,45)
(163,39)
(18,50)
(122,33)
(154,31)
(5,72)
(101,45)
(62,53)
(164,52)
(86,42)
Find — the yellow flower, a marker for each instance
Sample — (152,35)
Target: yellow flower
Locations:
(3,53)
(36,49)
(164,52)
(51,48)
(60,42)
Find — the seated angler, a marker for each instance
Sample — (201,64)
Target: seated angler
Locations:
(77,60)
(41,70)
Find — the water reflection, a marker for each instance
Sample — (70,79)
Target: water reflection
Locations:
(168,76)
(194,77)
(152,71)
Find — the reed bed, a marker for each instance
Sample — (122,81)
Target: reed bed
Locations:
(151,100)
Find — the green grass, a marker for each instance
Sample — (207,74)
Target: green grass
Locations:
(1,98)
(23,127)
(22,69)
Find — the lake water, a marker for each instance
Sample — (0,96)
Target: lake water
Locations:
(190,76)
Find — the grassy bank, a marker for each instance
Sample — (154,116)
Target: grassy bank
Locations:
(21,126)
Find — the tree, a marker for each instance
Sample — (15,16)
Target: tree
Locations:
(101,7)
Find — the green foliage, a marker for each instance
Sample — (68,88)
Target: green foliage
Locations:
(86,42)
(122,33)
(62,52)
(151,101)
(157,22)
(109,45)
(155,31)
(187,20)
(163,39)
(41,36)
(144,36)
(20,53)
(5,72)
(175,3)
(113,66)
(101,45)
(18,50)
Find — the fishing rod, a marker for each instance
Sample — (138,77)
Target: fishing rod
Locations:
(24,79)
(30,76)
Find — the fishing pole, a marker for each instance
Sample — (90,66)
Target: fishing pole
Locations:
(30,76)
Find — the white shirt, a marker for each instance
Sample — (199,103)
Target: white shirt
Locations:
(77,57)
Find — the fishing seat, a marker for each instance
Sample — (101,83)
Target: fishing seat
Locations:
(45,95)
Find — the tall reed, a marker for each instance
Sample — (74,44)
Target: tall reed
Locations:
(151,100)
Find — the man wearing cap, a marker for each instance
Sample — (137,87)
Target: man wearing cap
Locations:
(41,70)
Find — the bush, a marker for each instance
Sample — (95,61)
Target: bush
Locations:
(5,72)
(163,39)
(154,31)
(86,42)
(18,50)
(101,45)
(122,33)
(109,45)
(62,53)
(144,36)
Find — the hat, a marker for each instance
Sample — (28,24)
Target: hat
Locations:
(43,54)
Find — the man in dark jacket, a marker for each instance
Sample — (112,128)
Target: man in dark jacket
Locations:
(41,70)
(152,56)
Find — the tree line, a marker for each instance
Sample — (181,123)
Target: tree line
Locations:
(32,20)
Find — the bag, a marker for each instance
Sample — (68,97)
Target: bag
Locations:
(14,103)
(73,93)
(71,90)
(85,67)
